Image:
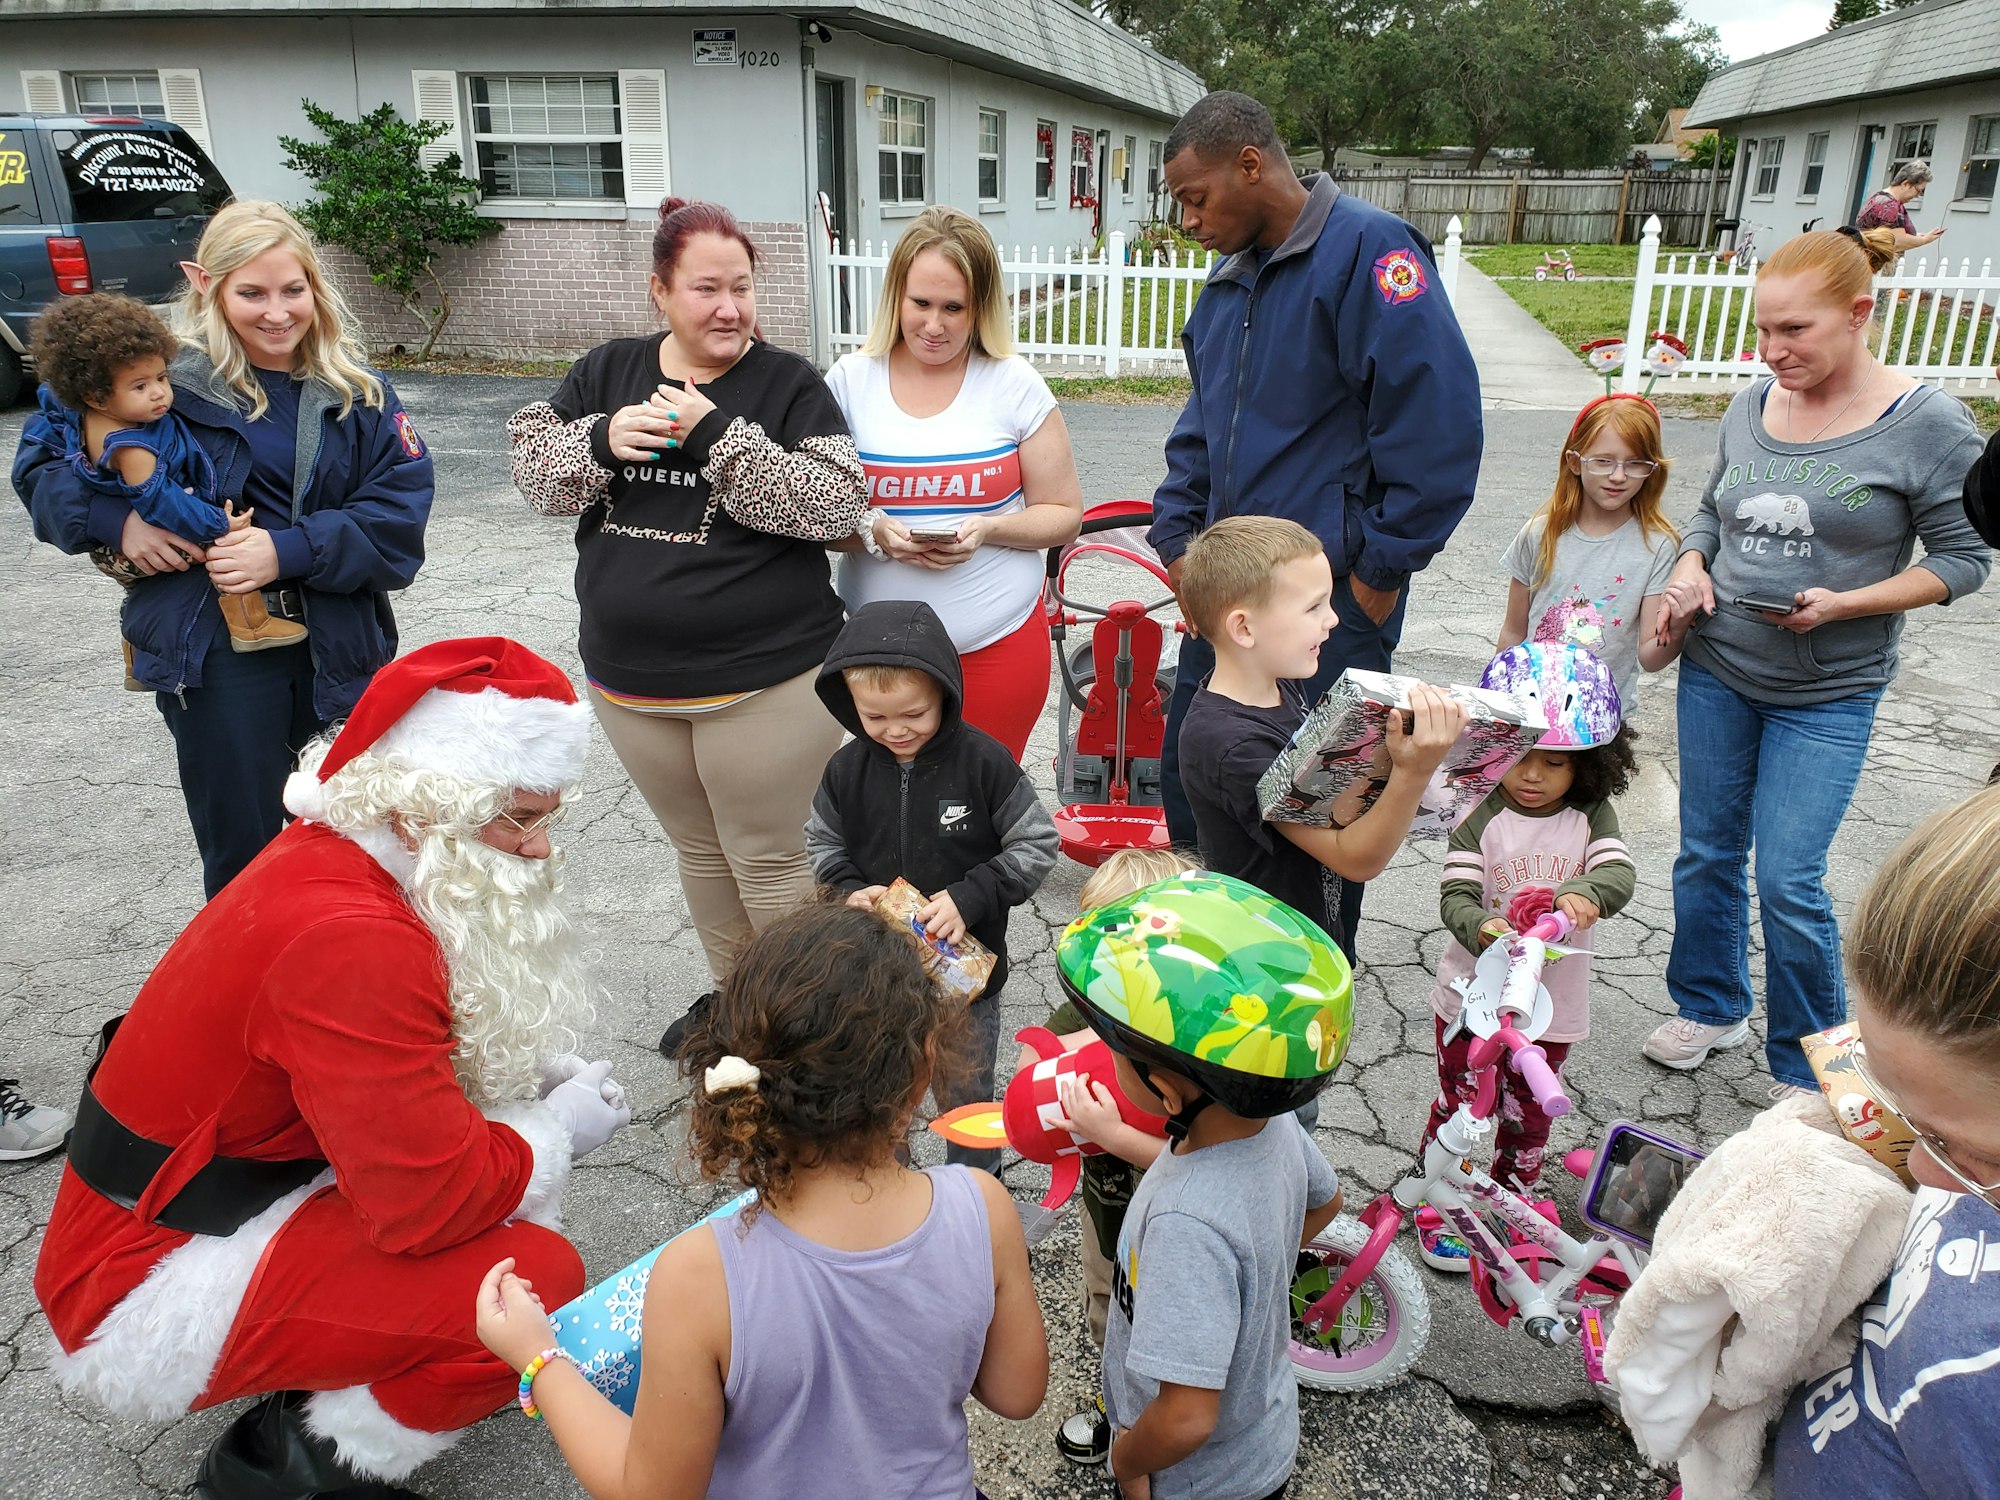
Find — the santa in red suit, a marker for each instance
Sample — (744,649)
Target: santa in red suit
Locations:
(342,1096)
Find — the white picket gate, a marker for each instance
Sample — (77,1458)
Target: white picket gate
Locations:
(1111,313)
(1937,325)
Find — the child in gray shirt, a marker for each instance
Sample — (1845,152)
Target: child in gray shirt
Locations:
(1201,1296)
(1225,1010)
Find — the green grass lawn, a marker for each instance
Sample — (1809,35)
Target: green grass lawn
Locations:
(1521,260)
(1140,312)
(1575,311)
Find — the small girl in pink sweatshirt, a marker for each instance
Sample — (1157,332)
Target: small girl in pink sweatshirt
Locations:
(1546,837)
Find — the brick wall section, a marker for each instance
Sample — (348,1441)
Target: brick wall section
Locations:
(553,288)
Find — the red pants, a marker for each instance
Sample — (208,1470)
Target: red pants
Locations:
(327,1310)
(1524,1126)
(1007,683)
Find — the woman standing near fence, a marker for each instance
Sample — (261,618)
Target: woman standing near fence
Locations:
(1791,587)
(970,474)
(707,471)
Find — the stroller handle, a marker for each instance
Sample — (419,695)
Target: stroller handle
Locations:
(1097,523)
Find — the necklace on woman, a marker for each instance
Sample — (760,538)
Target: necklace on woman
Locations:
(1791,412)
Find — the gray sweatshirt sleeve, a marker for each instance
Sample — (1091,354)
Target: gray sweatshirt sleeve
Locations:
(826,844)
(1703,532)
(1952,549)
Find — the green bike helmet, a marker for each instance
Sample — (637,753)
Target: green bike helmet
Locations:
(1209,976)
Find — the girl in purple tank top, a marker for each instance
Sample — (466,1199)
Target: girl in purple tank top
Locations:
(823,1341)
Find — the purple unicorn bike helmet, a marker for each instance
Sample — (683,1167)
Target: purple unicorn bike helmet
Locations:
(1574,688)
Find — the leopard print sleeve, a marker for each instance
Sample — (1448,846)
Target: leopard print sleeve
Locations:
(816,491)
(551,460)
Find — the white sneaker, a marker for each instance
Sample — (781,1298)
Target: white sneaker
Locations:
(1684,1045)
(28,1130)
(1780,1092)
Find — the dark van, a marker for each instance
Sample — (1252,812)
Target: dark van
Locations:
(93,204)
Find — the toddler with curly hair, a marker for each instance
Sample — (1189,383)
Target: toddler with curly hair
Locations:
(108,399)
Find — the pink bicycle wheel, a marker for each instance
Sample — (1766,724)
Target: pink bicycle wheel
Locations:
(1380,1332)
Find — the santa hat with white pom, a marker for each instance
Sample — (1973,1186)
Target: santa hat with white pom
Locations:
(485,710)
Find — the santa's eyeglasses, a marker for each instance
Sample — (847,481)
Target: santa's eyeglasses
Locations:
(542,823)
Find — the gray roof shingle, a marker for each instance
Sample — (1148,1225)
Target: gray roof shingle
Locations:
(1052,42)
(1943,41)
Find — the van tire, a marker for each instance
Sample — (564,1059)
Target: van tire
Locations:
(12,380)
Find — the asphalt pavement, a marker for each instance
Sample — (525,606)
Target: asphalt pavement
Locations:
(99,871)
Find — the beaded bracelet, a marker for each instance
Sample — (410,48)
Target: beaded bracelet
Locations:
(525,1394)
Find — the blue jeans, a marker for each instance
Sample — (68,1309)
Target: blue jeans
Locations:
(1779,779)
(236,738)
(1357,641)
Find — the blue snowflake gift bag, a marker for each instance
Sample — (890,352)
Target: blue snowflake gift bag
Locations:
(600,1330)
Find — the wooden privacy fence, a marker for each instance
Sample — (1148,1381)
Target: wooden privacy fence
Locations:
(1932,322)
(1108,312)
(1596,208)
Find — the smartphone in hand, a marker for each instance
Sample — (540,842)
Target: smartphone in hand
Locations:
(933,536)
(1768,606)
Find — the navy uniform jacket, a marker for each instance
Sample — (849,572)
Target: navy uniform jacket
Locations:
(361,499)
(1332,387)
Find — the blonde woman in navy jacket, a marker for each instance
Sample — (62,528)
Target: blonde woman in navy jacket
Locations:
(317,446)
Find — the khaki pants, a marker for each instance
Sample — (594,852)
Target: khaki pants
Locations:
(732,788)
(1096,1281)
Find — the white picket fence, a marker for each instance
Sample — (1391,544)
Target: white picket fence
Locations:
(1112,313)
(1937,325)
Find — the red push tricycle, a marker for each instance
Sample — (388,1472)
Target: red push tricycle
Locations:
(1115,687)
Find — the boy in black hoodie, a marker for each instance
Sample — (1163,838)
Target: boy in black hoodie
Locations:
(922,794)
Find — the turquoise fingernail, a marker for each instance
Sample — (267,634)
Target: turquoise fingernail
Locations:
(673,442)
(655,455)
(673,416)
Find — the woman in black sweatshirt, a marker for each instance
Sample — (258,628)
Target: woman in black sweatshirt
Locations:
(707,471)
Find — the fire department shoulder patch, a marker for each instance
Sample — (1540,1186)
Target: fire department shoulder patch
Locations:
(407,431)
(1399,276)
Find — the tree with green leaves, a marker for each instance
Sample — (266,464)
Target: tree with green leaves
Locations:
(1846,12)
(1703,157)
(377,198)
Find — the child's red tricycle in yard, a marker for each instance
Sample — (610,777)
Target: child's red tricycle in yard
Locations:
(1115,686)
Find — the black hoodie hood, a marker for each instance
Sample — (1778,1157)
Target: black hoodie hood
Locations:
(892,633)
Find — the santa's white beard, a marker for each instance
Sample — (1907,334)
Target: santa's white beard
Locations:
(519,986)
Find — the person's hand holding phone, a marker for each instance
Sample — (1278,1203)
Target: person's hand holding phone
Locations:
(1811,608)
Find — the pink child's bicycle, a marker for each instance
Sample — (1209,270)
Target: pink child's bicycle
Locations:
(1359,1309)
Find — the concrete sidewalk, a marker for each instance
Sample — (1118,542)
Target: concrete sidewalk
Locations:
(1522,366)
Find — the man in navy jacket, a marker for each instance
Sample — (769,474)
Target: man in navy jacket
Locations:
(1331,386)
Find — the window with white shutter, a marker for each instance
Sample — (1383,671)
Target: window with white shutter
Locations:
(648,179)
(181,88)
(42,89)
(436,96)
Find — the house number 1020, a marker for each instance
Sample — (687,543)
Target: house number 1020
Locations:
(755,59)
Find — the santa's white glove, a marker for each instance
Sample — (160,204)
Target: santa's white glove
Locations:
(559,1070)
(591,1106)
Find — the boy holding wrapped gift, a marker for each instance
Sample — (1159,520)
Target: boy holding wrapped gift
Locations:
(1259,590)
(922,794)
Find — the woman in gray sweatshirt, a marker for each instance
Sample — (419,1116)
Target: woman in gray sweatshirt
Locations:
(1790,592)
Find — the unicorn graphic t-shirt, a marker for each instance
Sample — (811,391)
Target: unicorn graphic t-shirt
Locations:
(1592,595)
(930,473)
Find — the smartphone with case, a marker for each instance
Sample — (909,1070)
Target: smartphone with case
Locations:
(1636,1175)
(932,536)
(1769,606)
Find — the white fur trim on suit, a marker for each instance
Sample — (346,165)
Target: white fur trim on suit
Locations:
(156,1351)
(490,738)
(370,1441)
(548,1138)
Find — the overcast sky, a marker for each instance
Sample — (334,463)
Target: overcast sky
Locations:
(1750,27)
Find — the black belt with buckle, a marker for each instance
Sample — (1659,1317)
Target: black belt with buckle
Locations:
(286,604)
(120,1164)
